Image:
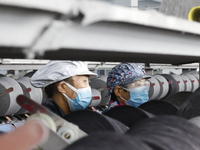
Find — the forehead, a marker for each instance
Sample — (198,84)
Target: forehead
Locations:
(139,80)
(80,77)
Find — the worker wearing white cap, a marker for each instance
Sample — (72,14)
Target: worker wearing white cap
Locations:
(66,85)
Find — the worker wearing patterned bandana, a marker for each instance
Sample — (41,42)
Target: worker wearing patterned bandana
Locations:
(127,85)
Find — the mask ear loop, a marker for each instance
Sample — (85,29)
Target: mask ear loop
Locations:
(71,87)
(67,97)
(122,97)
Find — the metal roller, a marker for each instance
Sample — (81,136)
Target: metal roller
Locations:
(173,86)
(9,90)
(187,82)
(194,81)
(99,84)
(180,82)
(31,92)
(154,89)
(96,98)
(164,86)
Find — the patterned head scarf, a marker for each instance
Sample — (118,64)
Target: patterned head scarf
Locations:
(123,74)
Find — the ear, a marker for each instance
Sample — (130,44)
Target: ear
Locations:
(118,91)
(61,87)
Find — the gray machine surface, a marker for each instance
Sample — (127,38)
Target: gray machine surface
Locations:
(117,34)
(178,8)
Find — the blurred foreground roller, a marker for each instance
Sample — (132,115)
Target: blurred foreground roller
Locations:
(109,141)
(167,133)
(158,107)
(93,122)
(191,107)
(178,98)
(128,115)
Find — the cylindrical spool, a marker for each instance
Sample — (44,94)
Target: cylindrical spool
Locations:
(30,74)
(180,82)
(194,14)
(173,86)
(164,86)
(99,83)
(29,91)
(96,98)
(194,81)
(188,84)
(197,76)
(8,104)
(162,130)
(44,95)
(154,89)
(12,76)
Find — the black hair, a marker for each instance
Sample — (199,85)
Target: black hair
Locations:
(113,96)
(51,89)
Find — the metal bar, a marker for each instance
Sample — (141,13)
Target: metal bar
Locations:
(119,42)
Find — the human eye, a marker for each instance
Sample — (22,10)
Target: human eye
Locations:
(85,81)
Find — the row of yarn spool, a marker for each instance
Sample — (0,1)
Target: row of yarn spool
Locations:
(161,86)
(164,85)
(11,88)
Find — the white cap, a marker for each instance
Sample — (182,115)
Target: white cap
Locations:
(55,71)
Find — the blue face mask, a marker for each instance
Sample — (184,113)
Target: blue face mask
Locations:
(83,98)
(138,96)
